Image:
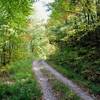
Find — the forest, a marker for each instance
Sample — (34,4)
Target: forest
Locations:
(68,40)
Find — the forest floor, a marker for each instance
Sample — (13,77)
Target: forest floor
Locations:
(55,86)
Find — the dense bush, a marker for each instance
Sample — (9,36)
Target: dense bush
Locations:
(23,90)
(74,29)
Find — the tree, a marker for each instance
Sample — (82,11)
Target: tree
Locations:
(74,29)
(13,20)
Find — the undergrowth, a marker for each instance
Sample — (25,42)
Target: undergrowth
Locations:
(76,77)
(20,84)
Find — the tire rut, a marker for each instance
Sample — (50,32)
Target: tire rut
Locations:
(45,86)
(74,87)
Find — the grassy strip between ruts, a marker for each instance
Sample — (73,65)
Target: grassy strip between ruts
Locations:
(61,91)
(67,72)
(18,82)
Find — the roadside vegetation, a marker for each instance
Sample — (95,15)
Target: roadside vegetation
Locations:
(73,31)
(18,82)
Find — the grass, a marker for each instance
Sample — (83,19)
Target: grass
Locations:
(64,92)
(20,83)
(61,91)
(83,83)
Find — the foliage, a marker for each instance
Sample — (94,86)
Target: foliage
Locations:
(21,90)
(13,20)
(39,42)
(74,30)
(19,84)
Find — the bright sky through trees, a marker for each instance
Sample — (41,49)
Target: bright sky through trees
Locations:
(41,10)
